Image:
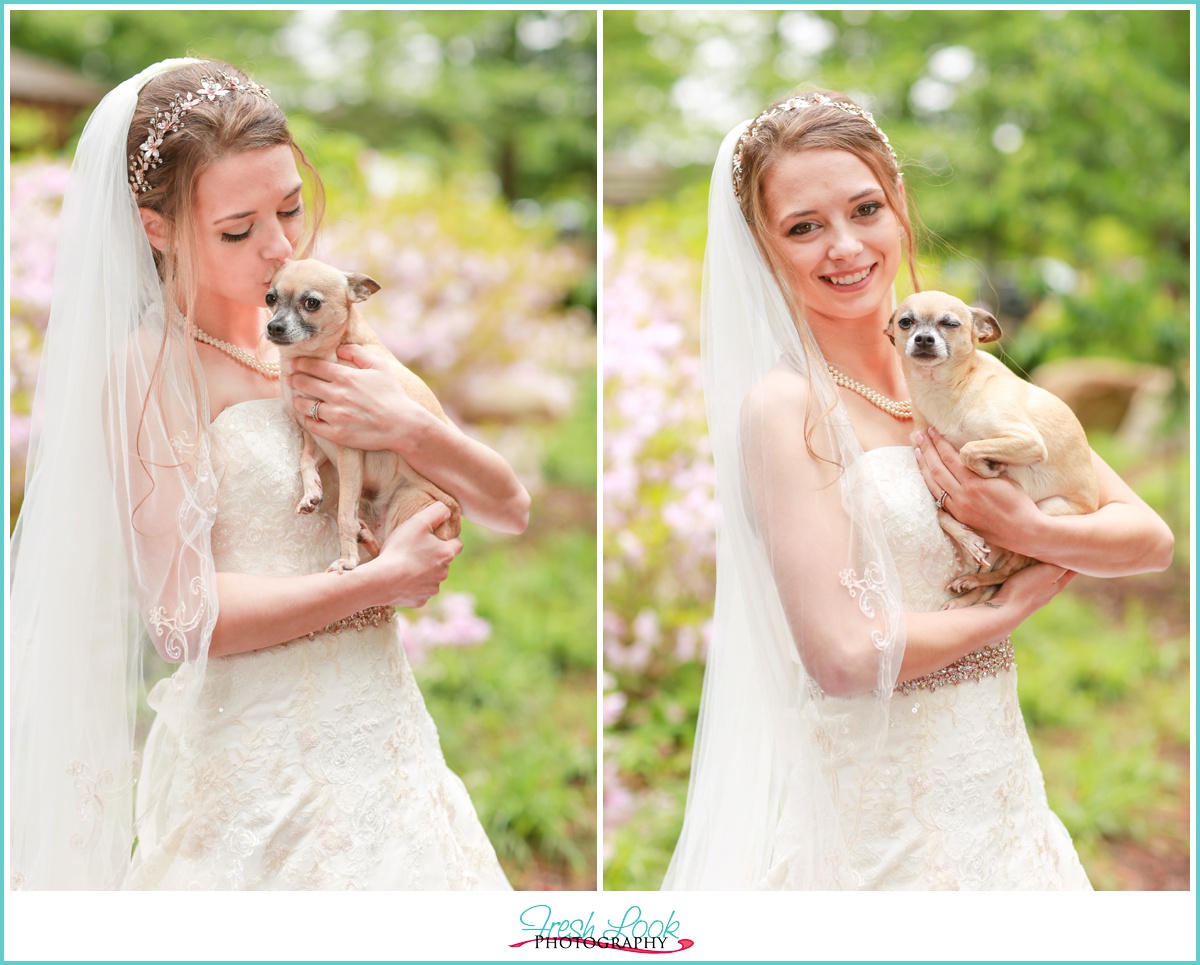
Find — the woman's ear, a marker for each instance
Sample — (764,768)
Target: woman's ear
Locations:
(156,228)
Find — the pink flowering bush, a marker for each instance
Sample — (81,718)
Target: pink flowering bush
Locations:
(476,304)
(660,516)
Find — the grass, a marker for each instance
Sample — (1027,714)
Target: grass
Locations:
(1105,686)
(517,715)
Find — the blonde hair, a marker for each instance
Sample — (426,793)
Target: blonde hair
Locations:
(234,123)
(816,124)
(231,124)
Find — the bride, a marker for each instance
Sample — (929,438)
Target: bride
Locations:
(852,734)
(291,747)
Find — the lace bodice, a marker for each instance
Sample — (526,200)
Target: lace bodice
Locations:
(256,459)
(312,764)
(925,557)
(956,799)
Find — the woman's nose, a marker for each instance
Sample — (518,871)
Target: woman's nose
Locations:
(276,244)
(844,243)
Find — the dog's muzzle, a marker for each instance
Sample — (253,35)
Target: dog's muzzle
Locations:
(285,328)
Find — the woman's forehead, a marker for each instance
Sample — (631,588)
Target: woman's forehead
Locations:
(242,181)
(815,177)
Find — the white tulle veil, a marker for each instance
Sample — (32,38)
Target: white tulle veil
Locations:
(111,552)
(767,736)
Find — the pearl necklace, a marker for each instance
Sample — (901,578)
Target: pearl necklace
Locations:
(268,370)
(898,410)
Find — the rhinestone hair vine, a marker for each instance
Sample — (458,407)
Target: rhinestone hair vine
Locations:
(170,118)
(795,104)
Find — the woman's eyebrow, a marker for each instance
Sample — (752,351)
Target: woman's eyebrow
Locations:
(246,214)
(854,197)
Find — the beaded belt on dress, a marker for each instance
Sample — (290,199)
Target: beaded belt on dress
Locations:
(372,616)
(985,662)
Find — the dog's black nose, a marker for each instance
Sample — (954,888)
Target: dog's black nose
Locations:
(924,340)
(275,328)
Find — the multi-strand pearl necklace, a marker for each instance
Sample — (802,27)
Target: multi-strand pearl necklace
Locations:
(898,410)
(269,370)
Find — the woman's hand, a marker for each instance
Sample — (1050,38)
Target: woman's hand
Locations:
(413,562)
(1124,536)
(1031,588)
(996,508)
(365,408)
(362,408)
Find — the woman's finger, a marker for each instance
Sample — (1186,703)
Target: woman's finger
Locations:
(933,471)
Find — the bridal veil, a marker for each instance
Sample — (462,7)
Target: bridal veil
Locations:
(111,551)
(766,730)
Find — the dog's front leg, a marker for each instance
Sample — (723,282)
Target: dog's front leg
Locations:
(350,477)
(311,458)
(990,457)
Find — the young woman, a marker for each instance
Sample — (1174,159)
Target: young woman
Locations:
(852,733)
(291,747)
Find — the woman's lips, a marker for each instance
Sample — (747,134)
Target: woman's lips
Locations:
(850,281)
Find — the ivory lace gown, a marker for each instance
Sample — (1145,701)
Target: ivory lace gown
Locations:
(957,800)
(308,765)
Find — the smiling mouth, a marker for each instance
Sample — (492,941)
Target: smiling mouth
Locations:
(850,280)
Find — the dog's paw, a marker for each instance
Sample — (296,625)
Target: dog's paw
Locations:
(343,565)
(367,538)
(963,584)
(956,603)
(309,503)
(976,548)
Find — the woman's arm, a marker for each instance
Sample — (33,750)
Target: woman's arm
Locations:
(256,611)
(365,408)
(931,636)
(808,537)
(1123,537)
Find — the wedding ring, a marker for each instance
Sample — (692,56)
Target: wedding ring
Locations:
(941,500)
(312,413)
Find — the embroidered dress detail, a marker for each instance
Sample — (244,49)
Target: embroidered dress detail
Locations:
(985,662)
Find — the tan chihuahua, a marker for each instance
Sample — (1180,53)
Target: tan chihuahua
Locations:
(314,313)
(1000,424)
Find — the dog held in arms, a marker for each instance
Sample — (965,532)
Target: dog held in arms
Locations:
(314,312)
(1000,424)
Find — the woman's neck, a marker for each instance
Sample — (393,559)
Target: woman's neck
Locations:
(860,349)
(238,324)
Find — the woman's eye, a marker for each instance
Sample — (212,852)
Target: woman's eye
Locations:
(803,228)
(870,208)
(294,213)
(242,237)
(312,304)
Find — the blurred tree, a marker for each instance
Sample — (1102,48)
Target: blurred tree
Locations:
(1048,150)
(506,93)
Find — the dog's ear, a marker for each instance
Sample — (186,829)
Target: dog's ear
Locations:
(987,329)
(362,286)
(891,327)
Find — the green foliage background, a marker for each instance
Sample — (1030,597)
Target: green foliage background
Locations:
(1048,154)
(485,121)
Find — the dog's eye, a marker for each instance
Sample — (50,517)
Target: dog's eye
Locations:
(905,323)
(272,298)
(312,303)
(951,322)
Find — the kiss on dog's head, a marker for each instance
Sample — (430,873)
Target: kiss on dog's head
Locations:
(1000,424)
(314,312)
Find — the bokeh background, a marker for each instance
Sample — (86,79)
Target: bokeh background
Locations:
(1048,156)
(458,151)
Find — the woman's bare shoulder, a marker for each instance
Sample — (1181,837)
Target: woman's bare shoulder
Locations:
(781,393)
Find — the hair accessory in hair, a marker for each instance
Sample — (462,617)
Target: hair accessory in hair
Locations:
(170,118)
(793,104)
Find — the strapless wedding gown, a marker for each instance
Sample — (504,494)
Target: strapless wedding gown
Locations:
(310,765)
(956,800)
